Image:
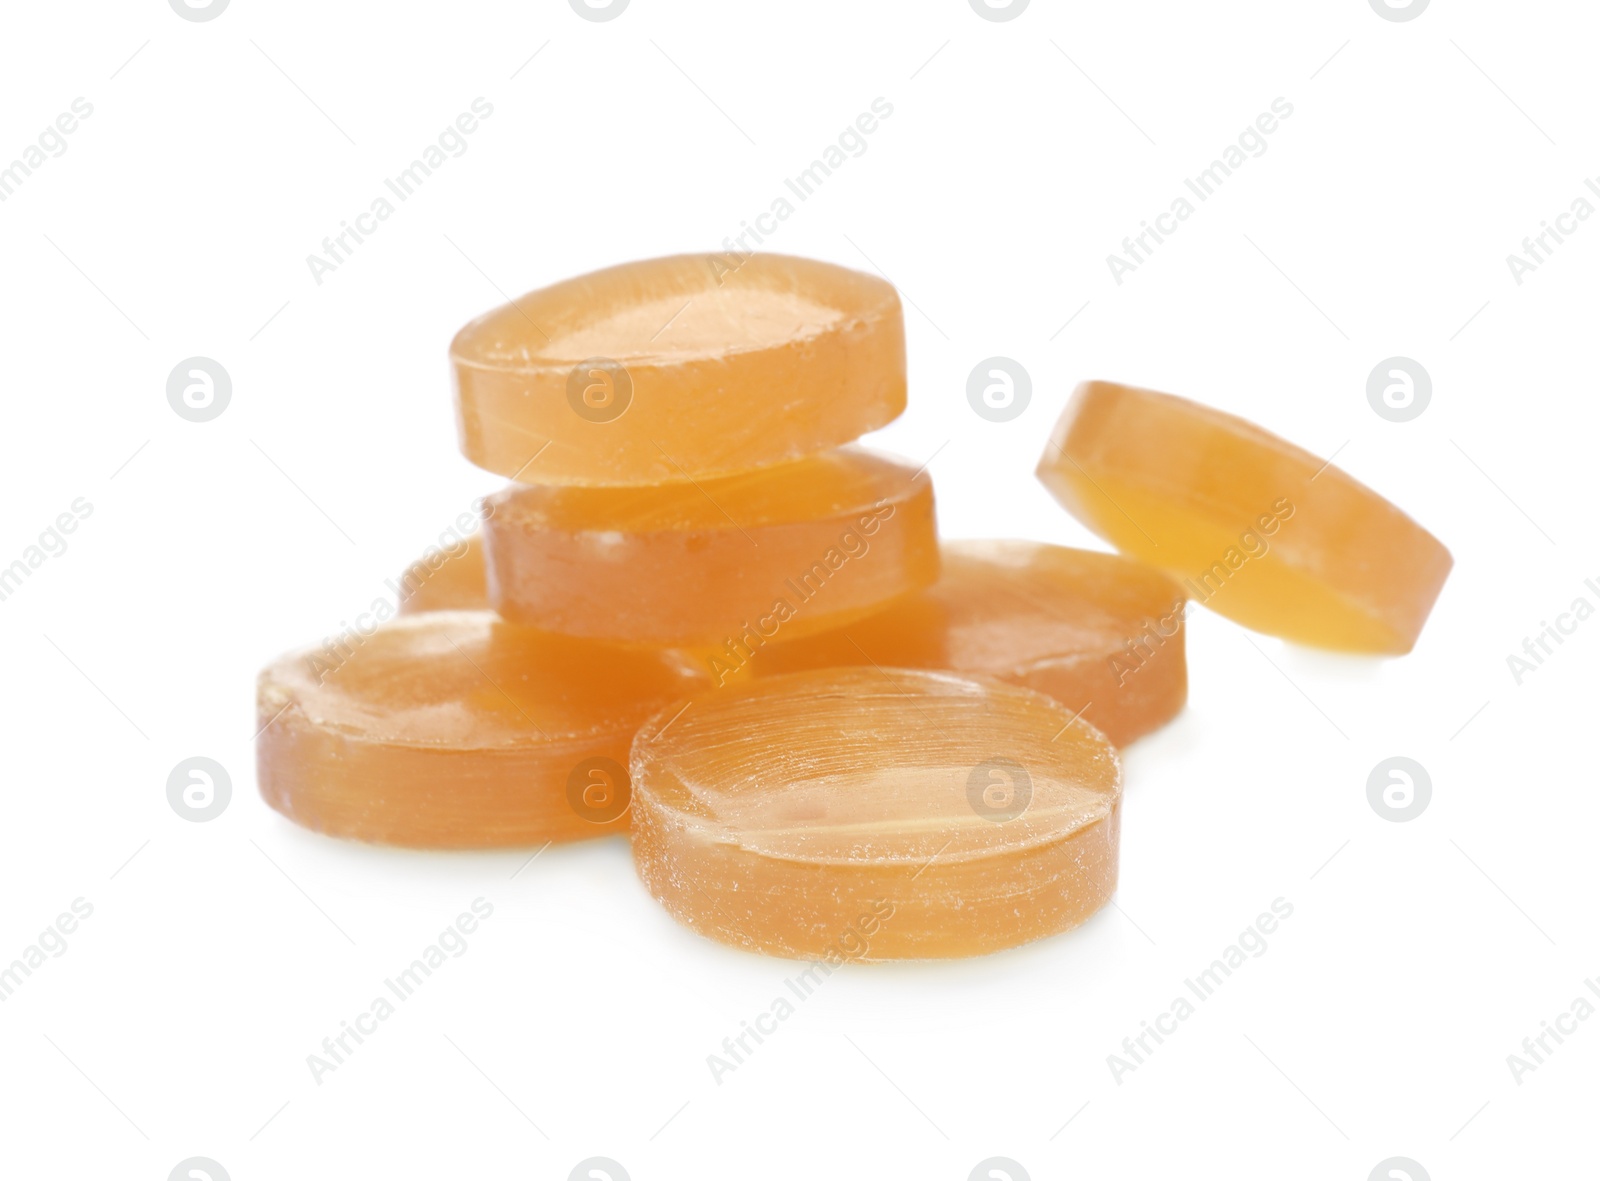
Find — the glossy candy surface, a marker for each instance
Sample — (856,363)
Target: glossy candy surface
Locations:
(679,368)
(1253,527)
(718,564)
(875,814)
(453,729)
(1097,632)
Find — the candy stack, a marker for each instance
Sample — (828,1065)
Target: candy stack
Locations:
(702,613)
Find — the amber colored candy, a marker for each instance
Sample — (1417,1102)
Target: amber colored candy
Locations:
(1257,529)
(453,729)
(679,368)
(723,564)
(445,580)
(871,814)
(1099,633)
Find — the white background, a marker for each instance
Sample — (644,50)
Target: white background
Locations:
(178,222)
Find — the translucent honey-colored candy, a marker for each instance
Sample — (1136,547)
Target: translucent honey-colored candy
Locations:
(453,729)
(1099,633)
(1257,529)
(723,565)
(679,368)
(869,814)
(445,580)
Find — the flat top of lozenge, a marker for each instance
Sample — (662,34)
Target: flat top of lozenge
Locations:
(468,680)
(1008,604)
(870,765)
(682,308)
